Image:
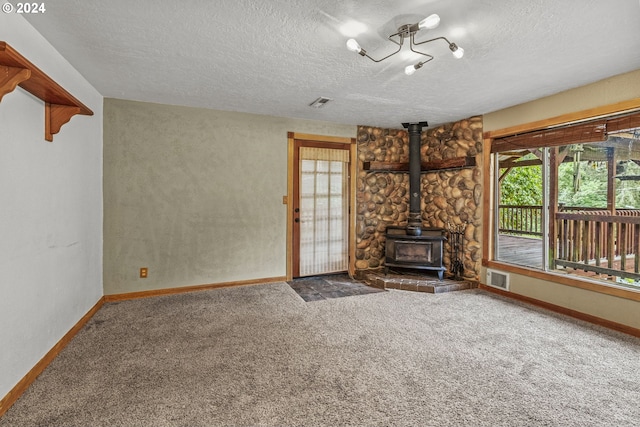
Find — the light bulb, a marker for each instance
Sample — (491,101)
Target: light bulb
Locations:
(410,69)
(430,22)
(353,46)
(457,51)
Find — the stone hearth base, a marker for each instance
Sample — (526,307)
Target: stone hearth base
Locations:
(412,282)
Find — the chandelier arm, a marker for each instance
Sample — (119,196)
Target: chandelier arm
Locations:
(391,38)
(422,53)
(414,43)
(382,59)
(424,62)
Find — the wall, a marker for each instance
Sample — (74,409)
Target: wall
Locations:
(51,215)
(195,195)
(605,92)
(449,197)
(613,90)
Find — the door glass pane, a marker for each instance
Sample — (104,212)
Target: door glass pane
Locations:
(323,211)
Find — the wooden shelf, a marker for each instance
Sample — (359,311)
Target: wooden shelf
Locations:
(60,106)
(455,163)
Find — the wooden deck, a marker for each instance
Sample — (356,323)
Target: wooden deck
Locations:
(527,251)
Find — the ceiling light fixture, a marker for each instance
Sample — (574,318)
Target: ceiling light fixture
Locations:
(408,31)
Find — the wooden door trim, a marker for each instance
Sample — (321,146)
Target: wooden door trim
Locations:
(291,138)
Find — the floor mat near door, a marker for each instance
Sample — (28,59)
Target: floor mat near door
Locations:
(318,288)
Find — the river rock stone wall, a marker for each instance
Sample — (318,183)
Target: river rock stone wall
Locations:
(449,197)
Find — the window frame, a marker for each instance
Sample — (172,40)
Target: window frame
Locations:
(489,213)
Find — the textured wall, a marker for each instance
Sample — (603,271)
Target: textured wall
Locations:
(449,197)
(612,90)
(50,212)
(195,195)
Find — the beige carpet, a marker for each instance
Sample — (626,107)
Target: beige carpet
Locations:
(261,356)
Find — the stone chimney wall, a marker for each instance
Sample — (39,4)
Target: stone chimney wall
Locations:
(448,196)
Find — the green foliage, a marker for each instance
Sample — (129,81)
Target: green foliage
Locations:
(628,192)
(522,186)
(592,192)
(593,186)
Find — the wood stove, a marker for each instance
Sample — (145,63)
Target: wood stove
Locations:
(422,252)
(414,246)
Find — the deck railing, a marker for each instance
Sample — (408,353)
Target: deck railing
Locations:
(520,219)
(588,239)
(595,240)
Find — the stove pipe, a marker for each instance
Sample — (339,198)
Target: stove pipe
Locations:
(414,226)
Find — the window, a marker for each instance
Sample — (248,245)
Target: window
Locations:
(520,201)
(567,199)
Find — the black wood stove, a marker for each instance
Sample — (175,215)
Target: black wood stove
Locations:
(422,252)
(414,246)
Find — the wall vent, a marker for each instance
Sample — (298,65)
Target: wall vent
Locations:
(498,279)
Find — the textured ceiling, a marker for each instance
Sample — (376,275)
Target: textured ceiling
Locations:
(276,57)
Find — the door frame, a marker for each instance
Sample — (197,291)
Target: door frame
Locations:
(289,202)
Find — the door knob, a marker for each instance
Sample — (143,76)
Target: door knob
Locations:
(297,220)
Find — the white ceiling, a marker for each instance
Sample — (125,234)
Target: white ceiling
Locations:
(275,57)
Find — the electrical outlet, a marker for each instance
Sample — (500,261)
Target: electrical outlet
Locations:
(143,272)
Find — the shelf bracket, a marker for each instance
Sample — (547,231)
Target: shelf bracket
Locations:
(10,77)
(55,116)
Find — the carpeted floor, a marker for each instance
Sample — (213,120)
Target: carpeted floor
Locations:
(316,288)
(261,356)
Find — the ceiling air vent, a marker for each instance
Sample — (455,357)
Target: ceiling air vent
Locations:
(320,102)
